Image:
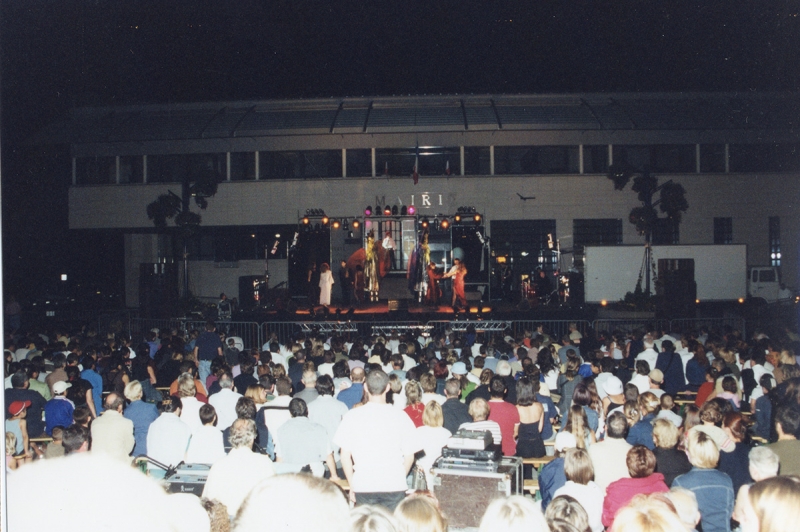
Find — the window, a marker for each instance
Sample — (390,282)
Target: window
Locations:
(95,170)
(299,164)
(764,157)
(636,157)
(674,158)
(775,241)
(535,160)
(243,166)
(712,158)
(432,161)
(595,159)
(130,169)
(359,163)
(723,230)
(604,232)
(666,231)
(176,168)
(476,161)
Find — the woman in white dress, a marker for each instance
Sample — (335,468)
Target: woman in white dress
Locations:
(325,284)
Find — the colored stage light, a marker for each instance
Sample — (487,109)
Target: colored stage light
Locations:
(445,224)
(368,211)
(335,224)
(356,223)
(412,210)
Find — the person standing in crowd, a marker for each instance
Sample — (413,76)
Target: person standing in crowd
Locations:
(380,441)
(224,309)
(206,347)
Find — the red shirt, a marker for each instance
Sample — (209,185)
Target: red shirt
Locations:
(507,416)
(415,413)
(703,392)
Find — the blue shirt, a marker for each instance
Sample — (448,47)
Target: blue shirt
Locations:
(551,479)
(715,497)
(642,433)
(208,345)
(96,381)
(142,414)
(58,413)
(352,395)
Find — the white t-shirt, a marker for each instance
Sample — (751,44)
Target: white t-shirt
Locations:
(590,496)
(379,437)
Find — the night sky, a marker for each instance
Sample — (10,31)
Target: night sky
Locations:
(60,54)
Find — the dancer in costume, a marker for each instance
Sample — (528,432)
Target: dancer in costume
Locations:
(371,276)
(458,272)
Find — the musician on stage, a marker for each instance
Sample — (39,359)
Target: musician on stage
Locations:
(458,272)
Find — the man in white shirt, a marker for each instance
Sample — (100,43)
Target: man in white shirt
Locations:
(389,245)
(649,354)
(231,479)
(168,436)
(609,456)
(380,441)
(224,402)
(276,412)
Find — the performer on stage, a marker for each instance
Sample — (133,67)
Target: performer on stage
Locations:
(543,286)
(434,292)
(371,275)
(325,284)
(389,246)
(458,272)
(359,285)
(345,283)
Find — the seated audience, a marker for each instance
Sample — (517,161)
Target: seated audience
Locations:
(641,464)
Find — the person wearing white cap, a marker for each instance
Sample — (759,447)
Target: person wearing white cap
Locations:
(552,476)
(58,410)
(614,394)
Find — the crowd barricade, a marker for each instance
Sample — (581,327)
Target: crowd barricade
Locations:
(693,324)
(628,325)
(556,329)
(284,330)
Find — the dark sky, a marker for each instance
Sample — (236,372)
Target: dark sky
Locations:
(57,54)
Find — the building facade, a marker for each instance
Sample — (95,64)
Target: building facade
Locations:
(535,166)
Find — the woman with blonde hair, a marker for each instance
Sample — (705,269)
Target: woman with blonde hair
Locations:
(580,484)
(420,513)
(257,393)
(772,505)
(641,433)
(653,513)
(433,437)
(670,461)
(513,514)
(578,425)
(414,407)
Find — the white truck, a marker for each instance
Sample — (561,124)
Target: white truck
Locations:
(719,272)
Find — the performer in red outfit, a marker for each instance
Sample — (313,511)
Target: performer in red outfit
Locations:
(458,272)
(434,292)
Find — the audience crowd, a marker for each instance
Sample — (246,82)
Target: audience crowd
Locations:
(646,430)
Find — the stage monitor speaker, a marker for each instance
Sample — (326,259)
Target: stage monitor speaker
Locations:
(398,305)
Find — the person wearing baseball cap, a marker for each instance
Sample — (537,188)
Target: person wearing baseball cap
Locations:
(656,381)
(20,391)
(58,410)
(614,394)
(17,425)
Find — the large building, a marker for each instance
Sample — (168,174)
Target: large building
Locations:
(533,165)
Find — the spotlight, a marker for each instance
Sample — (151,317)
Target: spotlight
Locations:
(457,218)
(477,219)
(368,211)
(425,223)
(403,210)
(387,211)
(305,220)
(394,210)
(335,224)
(445,224)
(356,223)
(412,210)
(325,220)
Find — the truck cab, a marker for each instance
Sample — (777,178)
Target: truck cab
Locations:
(764,283)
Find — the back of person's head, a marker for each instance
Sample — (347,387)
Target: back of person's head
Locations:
(526,394)
(642,367)
(245,408)
(428,383)
(631,411)
(617,426)
(641,461)
(186,385)
(788,416)
(710,413)
(340,370)
(497,387)
(278,496)
(578,466)
(433,415)
(736,424)
(685,502)
(283,385)
(776,503)
(513,514)
(566,509)
(647,514)
(324,385)
(18,379)
(57,433)
(702,450)
(372,518)
(413,392)
(298,407)
(357,374)
(243,433)
(420,513)
(763,463)
(226,380)
(631,392)
(133,391)
(74,437)
(479,409)
(503,368)
(113,401)
(665,433)
(377,381)
(208,415)
(648,403)
(170,405)
(452,388)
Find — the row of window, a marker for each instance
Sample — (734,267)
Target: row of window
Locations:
(499,160)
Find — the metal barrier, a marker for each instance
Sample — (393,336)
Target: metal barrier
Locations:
(709,323)
(555,328)
(284,330)
(628,325)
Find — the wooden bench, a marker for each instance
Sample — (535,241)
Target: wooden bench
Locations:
(42,439)
(531,486)
(538,463)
